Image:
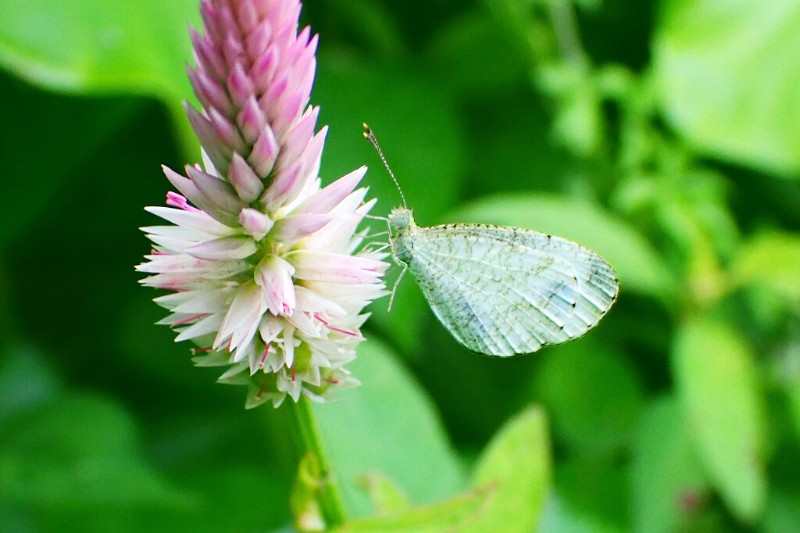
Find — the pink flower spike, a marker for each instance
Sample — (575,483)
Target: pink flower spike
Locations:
(220,193)
(264,68)
(326,199)
(226,132)
(274,276)
(286,181)
(257,256)
(176,200)
(247,15)
(202,127)
(264,153)
(293,228)
(299,136)
(210,93)
(251,120)
(210,19)
(248,186)
(233,49)
(255,223)
(223,249)
(240,86)
(259,39)
(193,194)
(207,57)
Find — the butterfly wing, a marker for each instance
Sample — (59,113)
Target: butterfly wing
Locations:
(504,291)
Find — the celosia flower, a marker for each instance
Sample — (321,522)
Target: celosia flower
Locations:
(264,264)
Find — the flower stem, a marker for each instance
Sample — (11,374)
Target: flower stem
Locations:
(310,442)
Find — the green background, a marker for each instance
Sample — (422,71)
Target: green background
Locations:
(665,135)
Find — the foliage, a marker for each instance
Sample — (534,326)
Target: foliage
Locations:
(680,412)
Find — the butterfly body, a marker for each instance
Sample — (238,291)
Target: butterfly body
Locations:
(503,290)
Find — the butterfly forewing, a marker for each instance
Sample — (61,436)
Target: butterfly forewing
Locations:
(505,291)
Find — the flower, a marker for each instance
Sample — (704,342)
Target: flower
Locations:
(265,267)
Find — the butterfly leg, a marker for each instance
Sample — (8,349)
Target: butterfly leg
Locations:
(394,288)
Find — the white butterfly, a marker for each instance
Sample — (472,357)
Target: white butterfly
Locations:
(502,290)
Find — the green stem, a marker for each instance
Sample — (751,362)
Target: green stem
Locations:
(565,27)
(310,441)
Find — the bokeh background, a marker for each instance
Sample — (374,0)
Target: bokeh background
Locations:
(663,134)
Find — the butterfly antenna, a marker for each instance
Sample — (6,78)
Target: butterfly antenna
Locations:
(370,136)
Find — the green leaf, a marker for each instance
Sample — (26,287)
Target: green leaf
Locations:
(600,420)
(99,45)
(770,260)
(590,490)
(386,425)
(638,264)
(511,481)
(515,468)
(75,452)
(443,517)
(386,496)
(474,54)
(718,388)
(36,124)
(666,475)
(729,78)
(561,517)
(782,513)
(26,380)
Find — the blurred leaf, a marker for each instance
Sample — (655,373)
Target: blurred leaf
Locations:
(782,514)
(371,22)
(515,469)
(560,517)
(578,121)
(74,452)
(593,396)
(231,498)
(667,483)
(473,54)
(104,47)
(729,78)
(638,264)
(511,481)
(591,489)
(386,425)
(26,380)
(99,46)
(350,93)
(770,260)
(718,388)
(443,517)
(62,129)
(385,495)
(513,150)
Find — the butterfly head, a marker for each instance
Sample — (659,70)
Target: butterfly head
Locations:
(400,218)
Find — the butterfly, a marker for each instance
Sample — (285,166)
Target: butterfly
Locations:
(502,290)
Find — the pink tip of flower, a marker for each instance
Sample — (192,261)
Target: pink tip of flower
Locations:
(188,320)
(264,357)
(338,330)
(176,200)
